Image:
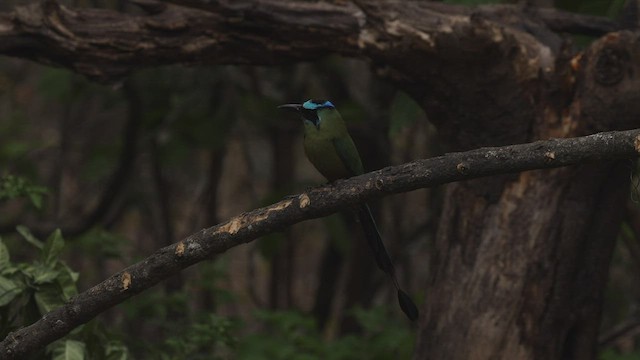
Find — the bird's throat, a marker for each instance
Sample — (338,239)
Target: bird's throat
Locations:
(315,122)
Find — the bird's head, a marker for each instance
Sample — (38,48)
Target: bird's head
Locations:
(311,110)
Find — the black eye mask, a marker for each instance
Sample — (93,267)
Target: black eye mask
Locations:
(310,115)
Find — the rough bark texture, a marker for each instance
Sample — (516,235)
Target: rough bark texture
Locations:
(521,260)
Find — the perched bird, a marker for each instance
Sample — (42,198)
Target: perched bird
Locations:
(331,150)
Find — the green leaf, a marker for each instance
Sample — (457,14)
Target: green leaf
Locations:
(67,350)
(8,290)
(52,249)
(42,274)
(4,256)
(36,199)
(12,186)
(27,235)
(48,298)
(116,350)
(67,280)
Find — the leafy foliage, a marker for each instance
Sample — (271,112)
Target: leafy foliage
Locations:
(12,187)
(611,354)
(210,338)
(30,290)
(288,335)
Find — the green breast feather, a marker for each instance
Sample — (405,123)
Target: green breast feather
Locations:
(331,150)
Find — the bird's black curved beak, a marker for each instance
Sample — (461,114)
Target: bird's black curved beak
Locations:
(290,107)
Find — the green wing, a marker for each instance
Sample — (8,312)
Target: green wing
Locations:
(348,153)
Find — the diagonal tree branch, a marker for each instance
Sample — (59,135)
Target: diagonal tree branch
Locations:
(315,203)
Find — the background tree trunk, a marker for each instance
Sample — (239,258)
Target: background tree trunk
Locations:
(521,261)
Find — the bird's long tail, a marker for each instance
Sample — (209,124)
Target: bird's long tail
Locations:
(383,259)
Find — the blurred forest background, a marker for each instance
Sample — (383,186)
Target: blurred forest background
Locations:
(124,169)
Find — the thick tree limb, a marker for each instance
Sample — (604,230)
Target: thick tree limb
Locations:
(106,45)
(315,203)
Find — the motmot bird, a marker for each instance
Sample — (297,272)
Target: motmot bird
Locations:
(331,150)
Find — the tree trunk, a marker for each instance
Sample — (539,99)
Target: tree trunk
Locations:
(519,270)
(521,261)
